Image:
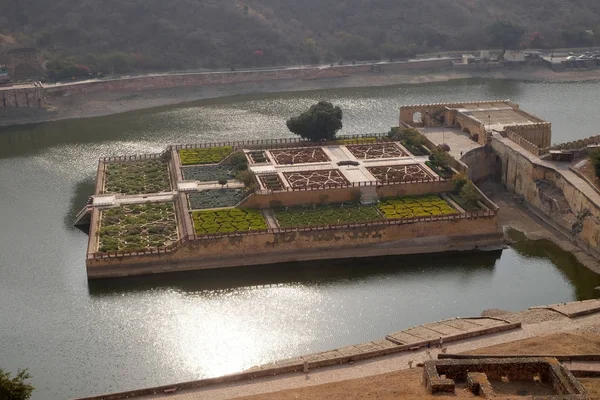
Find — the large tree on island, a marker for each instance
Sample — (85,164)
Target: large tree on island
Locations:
(320,122)
(15,388)
(505,34)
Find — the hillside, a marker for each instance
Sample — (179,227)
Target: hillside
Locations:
(124,35)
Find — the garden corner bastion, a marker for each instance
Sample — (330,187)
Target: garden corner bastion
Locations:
(216,205)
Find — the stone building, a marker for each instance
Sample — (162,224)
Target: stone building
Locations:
(480,119)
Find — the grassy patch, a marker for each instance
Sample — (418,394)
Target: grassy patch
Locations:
(228,221)
(215,198)
(208,155)
(333,214)
(208,173)
(137,177)
(414,207)
(137,227)
(463,203)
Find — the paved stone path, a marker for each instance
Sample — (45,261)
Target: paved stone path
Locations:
(375,366)
(460,143)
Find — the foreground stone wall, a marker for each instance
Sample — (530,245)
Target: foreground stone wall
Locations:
(550,194)
(325,243)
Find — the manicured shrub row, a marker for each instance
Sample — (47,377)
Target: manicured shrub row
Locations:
(416,150)
(271,181)
(137,177)
(209,155)
(228,221)
(357,140)
(258,156)
(215,198)
(208,173)
(414,207)
(137,227)
(333,214)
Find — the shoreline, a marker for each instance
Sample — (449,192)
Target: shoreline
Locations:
(98,104)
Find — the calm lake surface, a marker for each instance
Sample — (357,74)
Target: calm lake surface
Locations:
(79,338)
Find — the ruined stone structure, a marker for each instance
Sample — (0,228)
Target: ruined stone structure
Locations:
(480,119)
(23,63)
(489,378)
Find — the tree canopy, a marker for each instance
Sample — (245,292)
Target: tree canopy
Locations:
(505,34)
(15,388)
(141,35)
(320,122)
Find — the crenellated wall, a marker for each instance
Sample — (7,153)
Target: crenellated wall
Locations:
(538,134)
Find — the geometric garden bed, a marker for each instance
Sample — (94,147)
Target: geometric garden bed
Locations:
(137,227)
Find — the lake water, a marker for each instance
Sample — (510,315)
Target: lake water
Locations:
(79,338)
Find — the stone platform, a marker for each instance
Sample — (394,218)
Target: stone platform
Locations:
(574,309)
(449,330)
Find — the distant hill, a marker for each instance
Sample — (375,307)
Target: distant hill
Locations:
(122,35)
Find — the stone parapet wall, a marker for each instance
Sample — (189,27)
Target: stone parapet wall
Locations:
(524,143)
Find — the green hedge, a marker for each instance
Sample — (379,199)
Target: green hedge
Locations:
(333,214)
(414,207)
(209,155)
(228,221)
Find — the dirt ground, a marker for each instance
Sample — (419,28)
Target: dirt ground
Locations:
(407,384)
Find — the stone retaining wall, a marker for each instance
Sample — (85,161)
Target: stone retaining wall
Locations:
(311,244)
(522,175)
(30,97)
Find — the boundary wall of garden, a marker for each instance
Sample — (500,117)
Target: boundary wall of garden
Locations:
(461,232)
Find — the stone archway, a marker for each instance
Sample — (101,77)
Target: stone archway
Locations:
(475,137)
(466,130)
(458,126)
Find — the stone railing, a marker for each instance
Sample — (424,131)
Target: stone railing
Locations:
(277,143)
(133,157)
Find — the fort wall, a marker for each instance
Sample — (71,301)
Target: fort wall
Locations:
(550,194)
